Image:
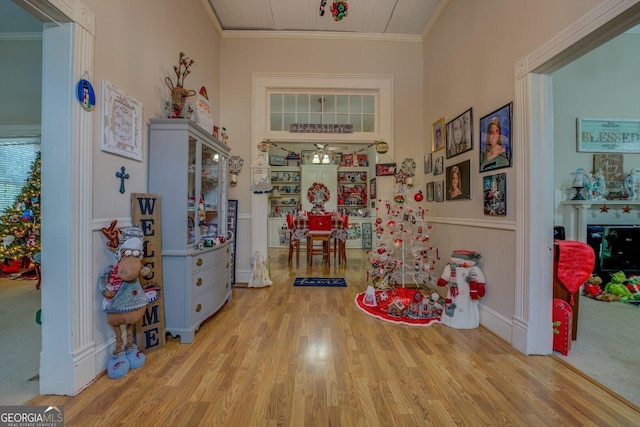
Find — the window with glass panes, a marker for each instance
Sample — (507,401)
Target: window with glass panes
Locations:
(16,156)
(357,109)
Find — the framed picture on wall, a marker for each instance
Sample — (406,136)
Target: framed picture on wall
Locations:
(385,169)
(460,134)
(495,139)
(458,180)
(430,191)
(438,191)
(428,163)
(121,123)
(437,134)
(494,188)
(438,165)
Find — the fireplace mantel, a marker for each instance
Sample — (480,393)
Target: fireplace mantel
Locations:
(579,213)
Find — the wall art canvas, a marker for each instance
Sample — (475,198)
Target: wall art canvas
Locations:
(495,139)
(460,134)
(458,179)
(430,197)
(494,188)
(121,123)
(438,191)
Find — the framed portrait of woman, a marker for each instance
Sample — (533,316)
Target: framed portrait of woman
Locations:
(437,134)
(495,139)
(458,181)
(460,134)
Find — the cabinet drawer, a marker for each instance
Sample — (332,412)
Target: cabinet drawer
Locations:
(206,259)
(208,302)
(202,280)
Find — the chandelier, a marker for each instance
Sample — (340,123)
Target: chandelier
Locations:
(320,156)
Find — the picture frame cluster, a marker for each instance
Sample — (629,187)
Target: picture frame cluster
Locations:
(453,138)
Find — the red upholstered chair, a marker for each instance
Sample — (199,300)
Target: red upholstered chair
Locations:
(319,231)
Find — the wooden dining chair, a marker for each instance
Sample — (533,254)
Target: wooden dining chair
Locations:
(294,240)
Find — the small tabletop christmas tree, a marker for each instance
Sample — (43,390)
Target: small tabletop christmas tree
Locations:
(20,223)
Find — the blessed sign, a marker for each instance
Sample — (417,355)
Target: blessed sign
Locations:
(608,135)
(319,128)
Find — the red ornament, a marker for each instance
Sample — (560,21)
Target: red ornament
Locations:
(418,197)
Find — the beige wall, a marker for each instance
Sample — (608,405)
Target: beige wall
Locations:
(136,46)
(242,56)
(469,58)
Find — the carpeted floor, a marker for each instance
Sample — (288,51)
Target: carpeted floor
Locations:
(20,341)
(608,346)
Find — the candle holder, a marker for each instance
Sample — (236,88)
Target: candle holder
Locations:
(578,195)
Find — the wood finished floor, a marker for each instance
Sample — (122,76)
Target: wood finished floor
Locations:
(306,356)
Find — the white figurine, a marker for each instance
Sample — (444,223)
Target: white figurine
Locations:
(601,185)
(579,179)
(630,186)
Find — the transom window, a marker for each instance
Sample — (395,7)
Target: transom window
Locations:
(357,109)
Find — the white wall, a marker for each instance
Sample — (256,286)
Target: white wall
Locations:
(602,83)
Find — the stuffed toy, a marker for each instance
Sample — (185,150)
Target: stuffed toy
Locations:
(592,287)
(633,284)
(124,300)
(617,286)
(466,287)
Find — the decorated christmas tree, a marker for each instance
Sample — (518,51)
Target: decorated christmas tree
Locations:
(20,223)
(403,254)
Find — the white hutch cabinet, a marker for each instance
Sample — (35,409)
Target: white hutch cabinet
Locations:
(188,169)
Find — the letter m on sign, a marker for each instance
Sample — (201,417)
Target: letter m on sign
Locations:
(145,212)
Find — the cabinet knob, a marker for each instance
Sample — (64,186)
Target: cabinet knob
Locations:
(198,308)
(199,281)
(199,262)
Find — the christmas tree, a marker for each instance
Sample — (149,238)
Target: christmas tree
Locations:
(403,254)
(20,223)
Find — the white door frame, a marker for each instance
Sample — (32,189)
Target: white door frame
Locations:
(67,359)
(533,122)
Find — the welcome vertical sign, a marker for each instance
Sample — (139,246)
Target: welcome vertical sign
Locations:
(145,211)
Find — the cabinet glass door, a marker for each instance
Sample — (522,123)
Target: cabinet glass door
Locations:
(208,214)
(191,193)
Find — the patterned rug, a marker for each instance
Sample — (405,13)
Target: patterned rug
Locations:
(403,298)
(320,281)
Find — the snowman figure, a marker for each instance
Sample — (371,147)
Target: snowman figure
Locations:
(466,287)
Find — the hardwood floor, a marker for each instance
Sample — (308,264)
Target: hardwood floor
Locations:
(298,356)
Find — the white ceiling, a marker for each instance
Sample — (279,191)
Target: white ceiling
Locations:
(397,17)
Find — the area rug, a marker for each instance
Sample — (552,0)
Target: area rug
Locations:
(321,281)
(402,296)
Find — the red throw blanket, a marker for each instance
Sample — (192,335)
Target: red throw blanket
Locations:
(575,263)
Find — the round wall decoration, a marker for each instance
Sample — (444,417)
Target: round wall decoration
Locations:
(318,193)
(85,94)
